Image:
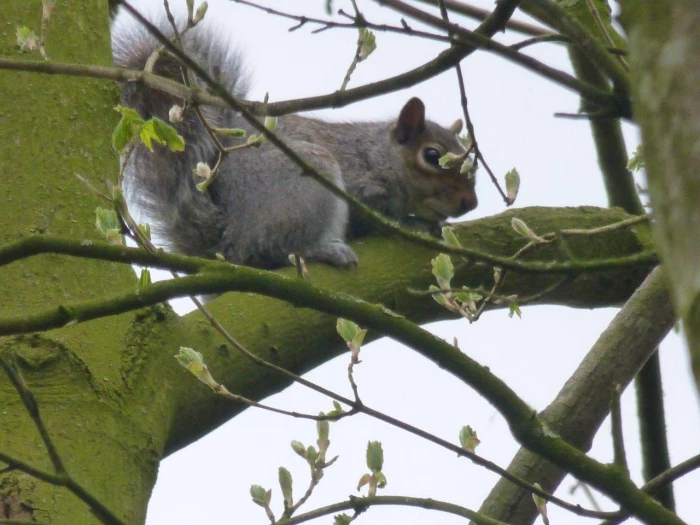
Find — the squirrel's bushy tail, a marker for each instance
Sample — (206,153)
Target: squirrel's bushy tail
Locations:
(161,182)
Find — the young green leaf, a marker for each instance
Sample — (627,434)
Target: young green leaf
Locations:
(107,223)
(167,135)
(258,494)
(380,479)
(342,519)
(636,161)
(311,455)
(512,185)
(468,439)
(194,363)
(443,270)
(366,478)
(513,308)
(323,429)
(375,456)
(270,123)
(467,168)
(523,229)
(450,160)
(449,237)
(347,329)
(201,11)
(337,410)
(368,43)
(236,133)
(285,479)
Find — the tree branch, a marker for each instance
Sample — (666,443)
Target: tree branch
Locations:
(582,405)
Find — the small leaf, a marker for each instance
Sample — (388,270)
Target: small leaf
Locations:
(449,237)
(368,43)
(128,127)
(467,168)
(443,270)
(450,160)
(121,136)
(466,296)
(322,429)
(285,479)
(201,11)
(514,309)
(311,455)
(148,134)
(380,479)
(106,220)
(443,299)
(469,298)
(512,185)
(519,226)
(465,140)
(636,161)
(347,329)
(363,481)
(270,123)
(468,439)
(342,519)
(194,363)
(231,132)
(375,456)
(359,338)
(258,494)
(167,135)
(255,140)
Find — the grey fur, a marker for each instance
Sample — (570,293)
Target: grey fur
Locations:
(261,207)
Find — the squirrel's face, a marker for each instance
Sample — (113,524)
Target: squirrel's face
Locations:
(434,192)
(437,192)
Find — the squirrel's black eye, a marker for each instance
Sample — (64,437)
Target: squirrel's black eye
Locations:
(432,156)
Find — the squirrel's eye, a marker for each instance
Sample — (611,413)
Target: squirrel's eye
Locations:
(432,156)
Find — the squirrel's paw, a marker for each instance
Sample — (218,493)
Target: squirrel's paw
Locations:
(334,252)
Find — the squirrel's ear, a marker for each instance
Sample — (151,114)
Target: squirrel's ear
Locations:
(456,126)
(411,121)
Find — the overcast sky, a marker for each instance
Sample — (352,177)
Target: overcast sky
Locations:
(512,110)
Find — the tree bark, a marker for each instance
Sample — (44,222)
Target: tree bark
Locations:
(664,46)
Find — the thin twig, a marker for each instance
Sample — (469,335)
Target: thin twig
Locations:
(620,456)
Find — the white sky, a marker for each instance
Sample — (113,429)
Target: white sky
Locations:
(512,110)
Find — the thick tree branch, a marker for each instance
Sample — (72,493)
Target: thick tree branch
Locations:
(581,406)
(665,60)
(480,14)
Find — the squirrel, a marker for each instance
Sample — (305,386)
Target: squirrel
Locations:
(260,208)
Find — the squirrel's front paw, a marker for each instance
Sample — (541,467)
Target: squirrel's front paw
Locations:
(334,252)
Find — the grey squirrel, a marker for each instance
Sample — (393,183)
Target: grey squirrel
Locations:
(260,208)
